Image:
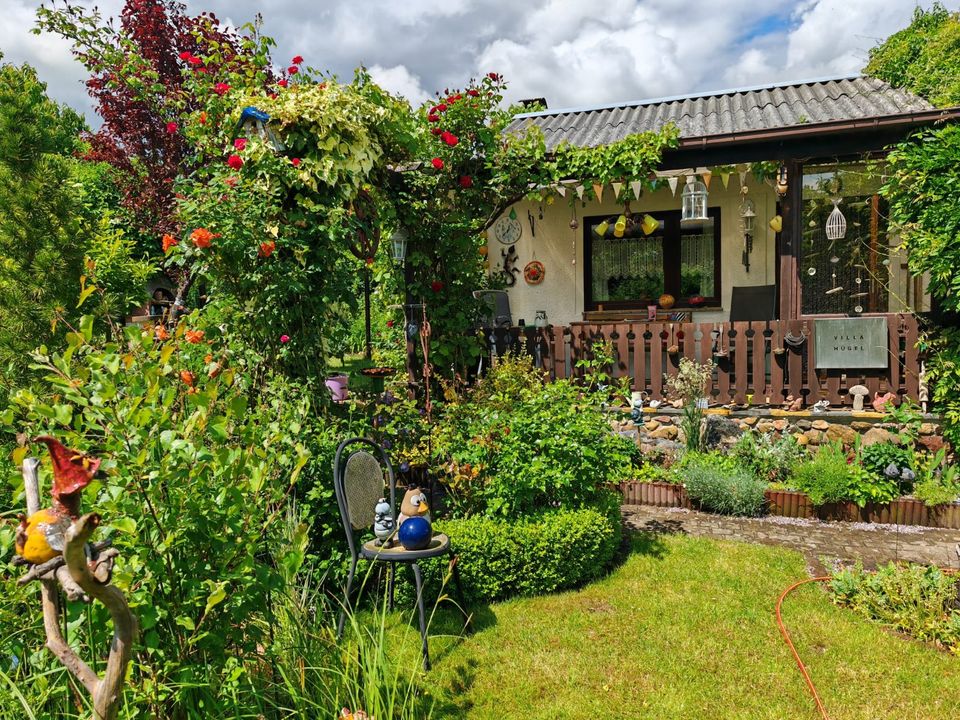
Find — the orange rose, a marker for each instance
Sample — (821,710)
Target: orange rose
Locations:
(187,377)
(267,248)
(201,237)
(168,242)
(161,333)
(193,336)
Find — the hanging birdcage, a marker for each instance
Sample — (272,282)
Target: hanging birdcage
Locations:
(694,199)
(836,223)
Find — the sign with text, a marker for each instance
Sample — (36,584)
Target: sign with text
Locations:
(851,343)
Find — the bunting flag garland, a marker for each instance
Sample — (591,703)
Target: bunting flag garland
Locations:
(635,187)
(743,178)
(598,191)
(672,182)
(617,187)
(706,175)
(725,178)
(562,190)
(580,189)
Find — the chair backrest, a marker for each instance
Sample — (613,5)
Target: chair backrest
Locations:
(498,307)
(361,473)
(753,302)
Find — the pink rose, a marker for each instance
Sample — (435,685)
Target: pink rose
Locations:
(284,339)
(240,144)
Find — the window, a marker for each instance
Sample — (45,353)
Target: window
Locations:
(851,274)
(633,271)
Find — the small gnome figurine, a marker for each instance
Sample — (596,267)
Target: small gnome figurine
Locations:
(41,536)
(384,525)
(414,504)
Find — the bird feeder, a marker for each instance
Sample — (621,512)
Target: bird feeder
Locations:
(694,199)
(398,242)
(836,223)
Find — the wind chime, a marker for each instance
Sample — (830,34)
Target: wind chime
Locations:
(748,216)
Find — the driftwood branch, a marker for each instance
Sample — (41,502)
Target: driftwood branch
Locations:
(106,692)
(37,571)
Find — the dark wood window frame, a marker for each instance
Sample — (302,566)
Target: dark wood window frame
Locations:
(672,234)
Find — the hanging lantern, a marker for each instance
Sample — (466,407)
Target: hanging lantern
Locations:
(601,229)
(649,224)
(694,202)
(776,223)
(620,226)
(398,242)
(782,181)
(836,223)
(749,215)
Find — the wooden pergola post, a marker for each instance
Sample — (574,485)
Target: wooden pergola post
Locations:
(790,239)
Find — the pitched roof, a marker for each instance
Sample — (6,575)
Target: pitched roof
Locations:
(728,112)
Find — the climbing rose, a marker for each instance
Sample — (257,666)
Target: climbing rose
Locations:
(185,55)
(295,162)
(433,117)
(437,163)
(493,76)
(221,88)
(161,333)
(240,143)
(168,242)
(293,69)
(442,107)
(284,339)
(436,286)
(171,127)
(187,377)
(466,181)
(282,82)
(235,161)
(194,60)
(450,139)
(201,237)
(267,248)
(194,337)
(472,93)
(297,60)
(436,131)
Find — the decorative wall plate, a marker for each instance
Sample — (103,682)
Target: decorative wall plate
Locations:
(533,272)
(507,230)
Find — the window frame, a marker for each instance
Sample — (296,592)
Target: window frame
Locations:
(670,239)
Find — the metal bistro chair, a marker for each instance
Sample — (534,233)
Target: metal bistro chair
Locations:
(359,481)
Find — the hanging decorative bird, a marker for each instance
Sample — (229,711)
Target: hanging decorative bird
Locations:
(41,536)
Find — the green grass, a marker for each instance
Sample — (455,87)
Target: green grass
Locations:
(685,629)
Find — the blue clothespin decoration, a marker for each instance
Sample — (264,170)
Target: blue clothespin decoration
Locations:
(255,121)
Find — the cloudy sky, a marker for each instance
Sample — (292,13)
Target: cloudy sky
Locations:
(572,52)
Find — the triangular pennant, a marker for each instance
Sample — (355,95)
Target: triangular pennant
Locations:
(635,187)
(598,191)
(672,182)
(706,175)
(743,178)
(562,190)
(725,178)
(580,192)
(617,187)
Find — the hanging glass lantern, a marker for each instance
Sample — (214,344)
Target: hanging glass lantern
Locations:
(398,241)
(694,199)
(836,223)
(749,215)
(782,181)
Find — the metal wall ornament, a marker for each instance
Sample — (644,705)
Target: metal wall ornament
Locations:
(533,272)
(510,270)
(836,223)
(507,230)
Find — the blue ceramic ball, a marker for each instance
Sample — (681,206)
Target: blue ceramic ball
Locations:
(415,533)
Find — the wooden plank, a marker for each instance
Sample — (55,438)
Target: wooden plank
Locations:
(639,358)
(813,379)
(759,349)
(559,332)
(623,350)
(893,335)
(656,361)
(740,366)
(775,391)
(706,344)
(794,361)
(911,370)
(688,342)
(723,364)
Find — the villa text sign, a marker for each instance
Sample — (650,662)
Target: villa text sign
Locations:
(851,343)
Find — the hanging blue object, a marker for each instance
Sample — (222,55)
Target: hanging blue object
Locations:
(254,121)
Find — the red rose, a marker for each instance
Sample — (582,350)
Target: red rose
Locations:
(240,143)
(272,96)
(295,162)
(267,248)
(389,323)
(466,181)
(493,76)
(450,139)
(185,55)
(235,161)
(436,131)
(436,286)
(203,118)
(194,60)
(293,70)
(472,93)
(171,127)
(221,88)
(297,60)
(433,118)
(442,107)
(437,163)
(282,82)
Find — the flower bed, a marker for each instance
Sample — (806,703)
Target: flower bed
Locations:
(793,504)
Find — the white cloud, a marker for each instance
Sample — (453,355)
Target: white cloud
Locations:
(400,81)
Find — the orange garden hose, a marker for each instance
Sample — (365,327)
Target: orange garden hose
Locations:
(786,637)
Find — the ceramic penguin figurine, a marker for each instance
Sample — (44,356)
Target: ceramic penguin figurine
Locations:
(414,504)
(384,525)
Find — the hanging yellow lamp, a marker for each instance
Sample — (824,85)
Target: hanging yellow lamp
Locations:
(620,226)
(649,224)
(601,228)
(776,223)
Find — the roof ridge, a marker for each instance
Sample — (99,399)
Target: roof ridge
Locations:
(704,95)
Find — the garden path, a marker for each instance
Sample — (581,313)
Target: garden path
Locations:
(820,542)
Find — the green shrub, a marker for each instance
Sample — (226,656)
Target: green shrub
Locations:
(767,456)
(876,458)
(916,599)
(723,490)
(517,446)
(938,482)
(832,477)
(501,558)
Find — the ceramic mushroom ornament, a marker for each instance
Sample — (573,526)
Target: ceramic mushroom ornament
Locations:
(859,392)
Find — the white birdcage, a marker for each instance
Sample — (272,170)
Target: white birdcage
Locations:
(694,199)
(836,223)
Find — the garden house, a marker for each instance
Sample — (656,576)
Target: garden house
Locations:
(764,244)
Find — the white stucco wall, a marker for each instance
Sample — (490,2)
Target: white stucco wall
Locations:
(560,249)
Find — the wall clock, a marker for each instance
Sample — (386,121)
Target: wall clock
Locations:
(507,230)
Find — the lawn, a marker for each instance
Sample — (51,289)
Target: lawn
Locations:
(684,628)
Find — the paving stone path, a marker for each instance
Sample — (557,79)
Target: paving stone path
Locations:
(821,543)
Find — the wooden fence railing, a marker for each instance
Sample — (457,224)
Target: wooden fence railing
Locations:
(765,359)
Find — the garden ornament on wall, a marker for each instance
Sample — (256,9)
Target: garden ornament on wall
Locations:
(507,229)
(880,402)
(54,542)
(510,271)
(533,272)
